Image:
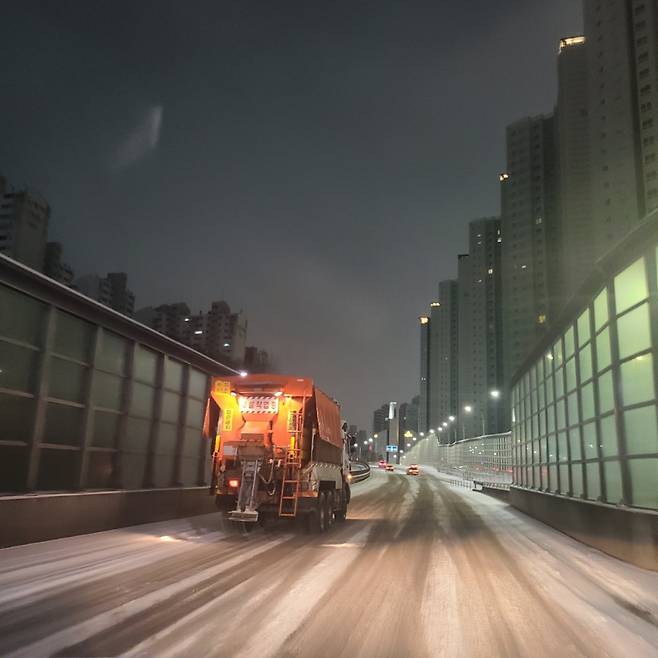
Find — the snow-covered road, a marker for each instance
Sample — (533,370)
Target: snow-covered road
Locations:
(421,568)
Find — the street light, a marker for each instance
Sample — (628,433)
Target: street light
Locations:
(494,394)
(468,408)
(422,433)
(451,419)
(445,424)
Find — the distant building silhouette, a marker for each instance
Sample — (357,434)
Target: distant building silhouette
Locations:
(53,265)
(24,220)
(169,319)
(111,291)
(219,333)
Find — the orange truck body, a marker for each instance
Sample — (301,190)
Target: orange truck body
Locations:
(278,448)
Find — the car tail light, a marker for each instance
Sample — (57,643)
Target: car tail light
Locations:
(234,483)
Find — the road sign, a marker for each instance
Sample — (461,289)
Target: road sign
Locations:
(391,448)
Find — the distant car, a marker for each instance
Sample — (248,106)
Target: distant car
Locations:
(390,467)
(413,470)
(382,463)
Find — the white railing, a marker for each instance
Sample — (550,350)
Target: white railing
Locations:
(486,459)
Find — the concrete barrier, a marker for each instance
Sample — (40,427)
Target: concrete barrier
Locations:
(629,534)
(39,517)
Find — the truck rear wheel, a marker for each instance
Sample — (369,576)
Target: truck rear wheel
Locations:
(317,521)
(341,513)
(329,516)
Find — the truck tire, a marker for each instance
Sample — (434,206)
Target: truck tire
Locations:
(318,517)
(329,516)
(341,512)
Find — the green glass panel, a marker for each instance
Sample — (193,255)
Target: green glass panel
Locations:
(574,416)
(17,414)
(644,476)
(564,479)
(112,353)
(634,332)
(606,393)
(637,380)
(174,376)
(585,362)
(559,383)
(631,286)
(73,337)
(108,391)
(66,380)
(641,431)
(613,485)
(142,400)
(583,328)
(63,424)
(557,354)
(21,317)
(549,390)
(570,370)
(577,480)
(609,443)
(593,481)
(569,343)
(198,384)
(574,443)
(590,441)
(170,407)
(601,309)
(563,452)
(552,477)
(550,417)
(146,365)
(561,415)
(552,448)
(18,367)
(603,354)
(106,426)
(587,401)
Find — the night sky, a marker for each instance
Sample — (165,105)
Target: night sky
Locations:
(314,163)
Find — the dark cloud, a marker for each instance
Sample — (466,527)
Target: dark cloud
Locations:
(317,165)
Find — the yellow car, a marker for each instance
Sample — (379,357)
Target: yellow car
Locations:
(413,470)
(390,467)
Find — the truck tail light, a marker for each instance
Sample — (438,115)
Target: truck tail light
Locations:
(233,483)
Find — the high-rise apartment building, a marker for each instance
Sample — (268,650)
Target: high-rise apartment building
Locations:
(622,76)
(481,407)
(644,20)
(439,340)
(95,287)
(121,298)
(23,226)
(111,291)
(257,360)
(529,232)
(617,195)
(219,333)
(578,250)
(409,417)
(54,266)
(423,398)
(169,319)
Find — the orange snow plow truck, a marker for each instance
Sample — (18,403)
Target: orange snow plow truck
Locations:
(278,450)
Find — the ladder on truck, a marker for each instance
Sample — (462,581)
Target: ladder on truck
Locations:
(290,484)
